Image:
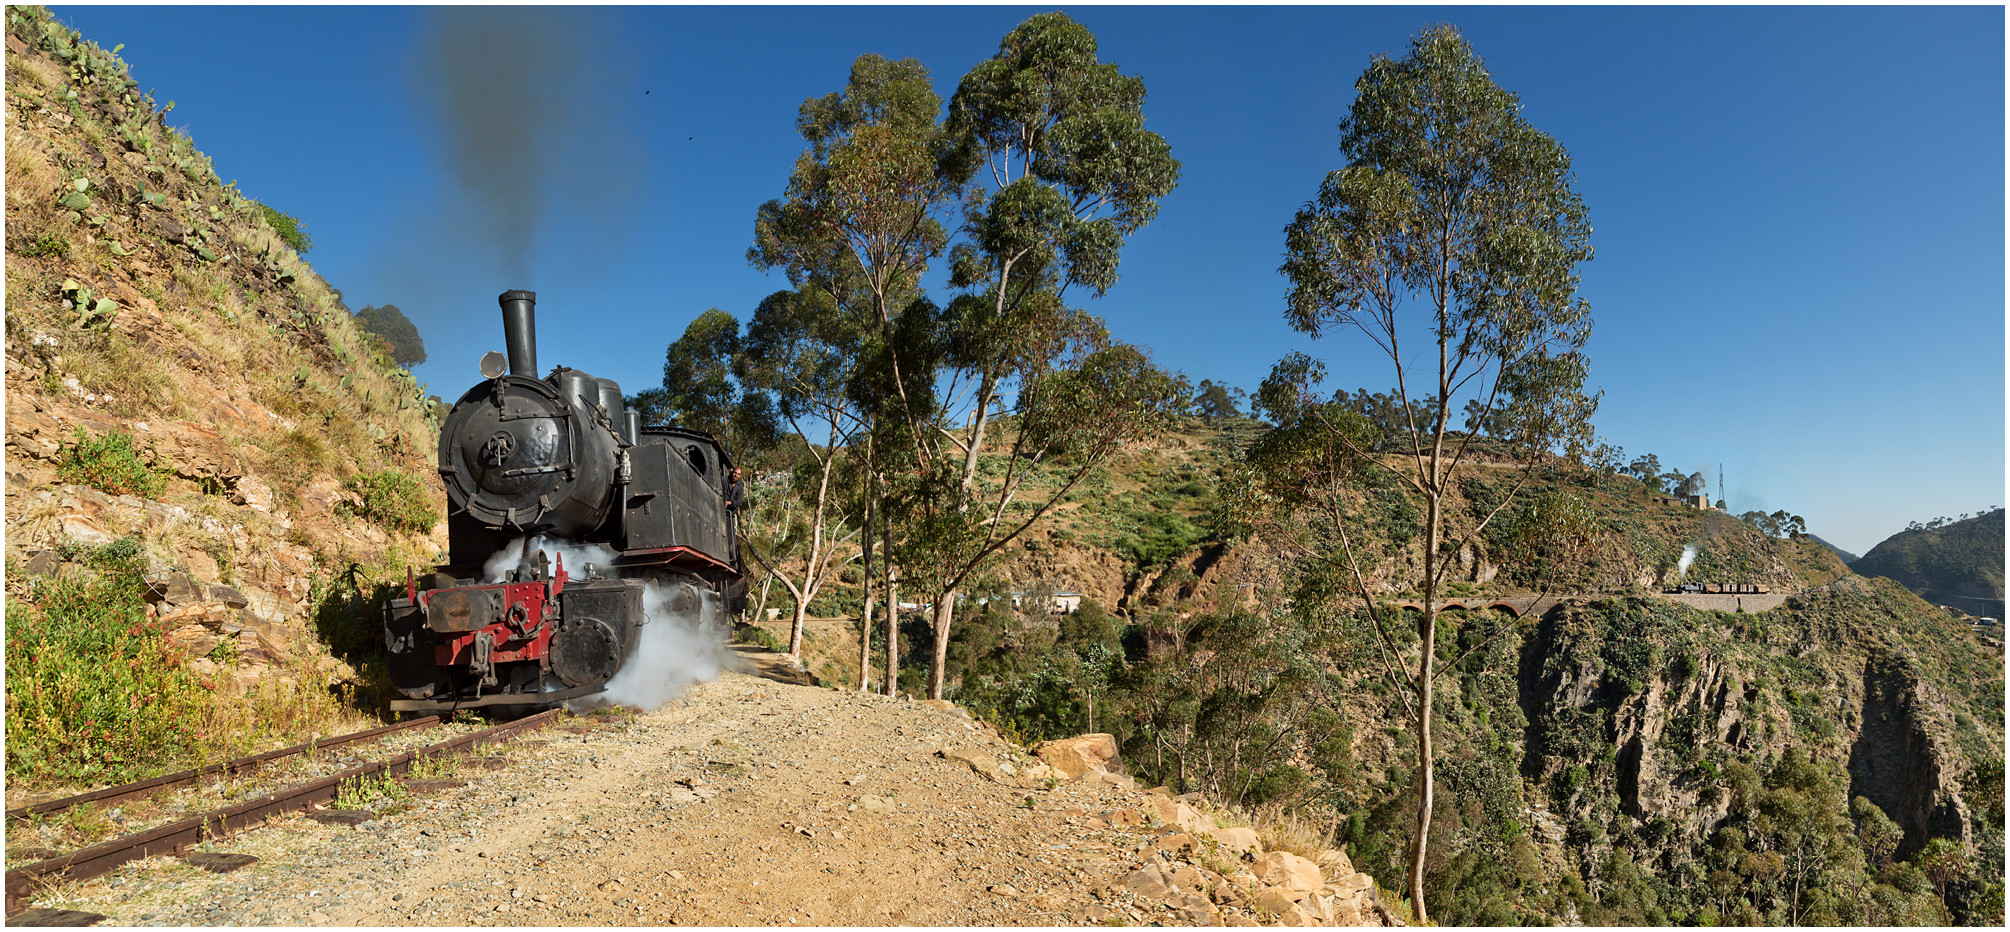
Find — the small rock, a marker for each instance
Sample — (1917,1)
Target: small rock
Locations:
(1003,889)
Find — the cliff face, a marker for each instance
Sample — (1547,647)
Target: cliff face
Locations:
(276,462)
(1674,688)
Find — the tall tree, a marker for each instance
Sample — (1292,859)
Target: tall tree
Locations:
(1217,402)
(803,355)
(391,325)
(858,225)
(1449,198)
(1064,171)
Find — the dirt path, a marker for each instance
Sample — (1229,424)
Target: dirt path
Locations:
(801,805)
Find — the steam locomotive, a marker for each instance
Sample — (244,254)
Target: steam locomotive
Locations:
(531,464)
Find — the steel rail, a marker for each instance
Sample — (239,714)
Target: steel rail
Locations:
(113,794)
(100,859)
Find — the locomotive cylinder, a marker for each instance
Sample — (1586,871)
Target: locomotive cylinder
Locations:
(519,313)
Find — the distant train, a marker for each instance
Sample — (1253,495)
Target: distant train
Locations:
(558,461)
(1722,588)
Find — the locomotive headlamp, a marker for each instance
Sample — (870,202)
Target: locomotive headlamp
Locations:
(494,364)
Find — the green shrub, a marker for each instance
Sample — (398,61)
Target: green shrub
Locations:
(393,500)
(93,693)
(289,229)
(48,244)
(110,464)
(759,637)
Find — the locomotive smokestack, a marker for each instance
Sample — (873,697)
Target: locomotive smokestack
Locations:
(519,311)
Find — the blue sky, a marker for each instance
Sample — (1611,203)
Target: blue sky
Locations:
(1798,212)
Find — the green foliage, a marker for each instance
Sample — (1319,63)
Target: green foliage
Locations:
(759,637)
(289,229)
(93,693)
(394,501)
(48,244)
(408,349)
(1962,558)
(111,464)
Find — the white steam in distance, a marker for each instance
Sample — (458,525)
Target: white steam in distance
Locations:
(1688,557)
(673,652)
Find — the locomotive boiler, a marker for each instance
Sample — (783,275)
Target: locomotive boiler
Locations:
(534,468)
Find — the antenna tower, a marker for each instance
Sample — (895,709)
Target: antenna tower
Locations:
(1720,487)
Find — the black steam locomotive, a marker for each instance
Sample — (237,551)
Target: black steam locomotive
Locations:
(551,461)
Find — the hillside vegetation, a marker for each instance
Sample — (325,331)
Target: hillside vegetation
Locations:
(1623,759)
(1958,564)
(210,464)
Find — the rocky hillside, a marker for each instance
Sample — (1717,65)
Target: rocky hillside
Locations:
(188,404)
(1958,564)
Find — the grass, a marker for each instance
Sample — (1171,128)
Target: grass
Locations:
(93,694)
(393,500)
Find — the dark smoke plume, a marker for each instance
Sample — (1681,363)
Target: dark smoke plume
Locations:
(524,103)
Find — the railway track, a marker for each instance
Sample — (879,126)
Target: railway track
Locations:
(222,822)
(233,768)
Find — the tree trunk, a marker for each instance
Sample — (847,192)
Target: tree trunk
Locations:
(892,633)
(796,629)
(945,613)
(865,612)
(1420,843)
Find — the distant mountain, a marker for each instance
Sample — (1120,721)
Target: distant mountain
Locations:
(1847,557)
(1958,564)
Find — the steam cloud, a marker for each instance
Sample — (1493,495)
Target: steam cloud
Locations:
(673,653)
(1688,557)
(527,105)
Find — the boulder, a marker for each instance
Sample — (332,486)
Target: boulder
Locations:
(1150,883)
(1273,901)
(227,595)
(1187,877)
(176,588)
(253,492)
(1118,780)
(212,615)
(1168,812)
(1289,870)
(194,640)
(1198,911)
(984,765)
(83,528)
(42,563)
(1181,843)
(1296,917)
(1333,862)
(1238,841)
(1079,756)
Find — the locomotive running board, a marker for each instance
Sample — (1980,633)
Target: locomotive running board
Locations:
(448,705)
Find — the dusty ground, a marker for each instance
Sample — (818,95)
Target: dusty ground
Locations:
(810,806)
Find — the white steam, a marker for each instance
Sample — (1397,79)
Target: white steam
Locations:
(576,557)
(1688,557)
(674,651)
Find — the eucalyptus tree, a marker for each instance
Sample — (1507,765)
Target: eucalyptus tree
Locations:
(1052,145)
(1064,171)
(1455,219)
(804,355)
(860,221)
